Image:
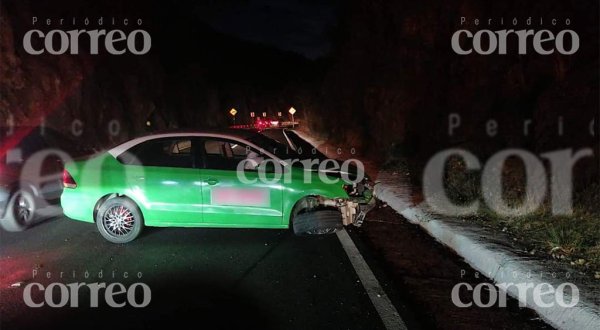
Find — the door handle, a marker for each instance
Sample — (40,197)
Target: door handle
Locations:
(211,181)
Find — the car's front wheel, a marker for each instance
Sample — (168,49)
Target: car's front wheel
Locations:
(20,212)
(319,222)
(119,220)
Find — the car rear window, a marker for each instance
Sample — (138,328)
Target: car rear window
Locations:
(161,153)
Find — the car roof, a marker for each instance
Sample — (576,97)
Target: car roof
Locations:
(232,134)
(241,133)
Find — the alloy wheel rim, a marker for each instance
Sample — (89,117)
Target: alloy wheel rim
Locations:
(23,209)
(118,220)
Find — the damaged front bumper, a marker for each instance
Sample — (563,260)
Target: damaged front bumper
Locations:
(354,209)
(355,213)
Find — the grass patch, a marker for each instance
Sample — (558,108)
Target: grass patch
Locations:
(574,238)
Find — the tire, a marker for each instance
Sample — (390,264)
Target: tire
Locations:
(119,220)
(320,222)
(20,211)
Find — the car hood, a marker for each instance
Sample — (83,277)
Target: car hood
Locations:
(334,171)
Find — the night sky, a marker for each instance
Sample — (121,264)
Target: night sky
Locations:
(301,26)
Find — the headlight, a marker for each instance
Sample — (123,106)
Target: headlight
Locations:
(350,189)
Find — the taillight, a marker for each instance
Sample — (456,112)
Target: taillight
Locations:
(68,181)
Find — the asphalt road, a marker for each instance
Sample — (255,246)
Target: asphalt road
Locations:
(215,278)
(241,278)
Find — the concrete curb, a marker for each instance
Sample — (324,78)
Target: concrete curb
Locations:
(492,260)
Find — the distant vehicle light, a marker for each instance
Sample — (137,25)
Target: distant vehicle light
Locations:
(261,124)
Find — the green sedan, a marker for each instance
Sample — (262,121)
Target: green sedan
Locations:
(224,179)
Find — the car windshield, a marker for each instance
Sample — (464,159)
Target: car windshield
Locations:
(278,149)
(284,152)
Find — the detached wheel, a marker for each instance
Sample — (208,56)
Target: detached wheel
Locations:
(20,212)
(320,222)
(119,220)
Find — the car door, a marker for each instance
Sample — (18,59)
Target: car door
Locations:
(227,199)
(166,180)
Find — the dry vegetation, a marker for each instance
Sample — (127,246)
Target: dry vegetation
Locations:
(574,239)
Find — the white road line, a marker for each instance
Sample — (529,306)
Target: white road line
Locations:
(386,310)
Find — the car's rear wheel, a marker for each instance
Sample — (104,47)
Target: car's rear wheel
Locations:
(20,212)
(119,220)
(319,222)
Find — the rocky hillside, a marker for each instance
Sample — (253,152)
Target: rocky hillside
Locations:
(396,79)
(191,76)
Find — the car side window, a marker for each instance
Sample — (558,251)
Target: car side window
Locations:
(183,147)
(238,150)
(224,154)
(170,152)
